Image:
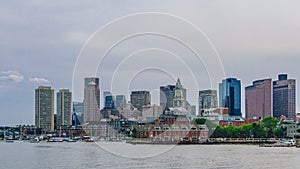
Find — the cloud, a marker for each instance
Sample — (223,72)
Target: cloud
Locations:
(77,37)
(11,77)
(38,80)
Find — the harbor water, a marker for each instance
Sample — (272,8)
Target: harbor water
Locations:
(118,155)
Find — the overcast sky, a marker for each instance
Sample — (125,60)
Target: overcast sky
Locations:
(40,42)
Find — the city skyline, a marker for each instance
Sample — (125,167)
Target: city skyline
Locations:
(178,83)
(39,48)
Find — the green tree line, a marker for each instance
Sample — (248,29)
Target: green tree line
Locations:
(266,128)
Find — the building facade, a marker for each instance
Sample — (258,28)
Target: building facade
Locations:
(140,98)
(208,99)
(258,99)
(173,126)
(167,94)
(77,112)
(44,108)
(64,107)
(91,102)
(120,102)
(191,109)
(151,112)
(284,97)
(105,93)
(88,80)
(230,96)
(109,102)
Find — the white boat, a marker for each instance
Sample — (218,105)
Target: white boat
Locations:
(71,140)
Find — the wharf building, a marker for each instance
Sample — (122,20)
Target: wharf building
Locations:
(173,126)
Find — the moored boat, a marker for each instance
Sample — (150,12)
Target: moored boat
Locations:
(89,140)
(34,141)
(71,140)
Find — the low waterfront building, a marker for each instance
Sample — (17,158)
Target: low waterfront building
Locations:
(174,126)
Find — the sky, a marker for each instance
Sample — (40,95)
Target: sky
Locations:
(57,43)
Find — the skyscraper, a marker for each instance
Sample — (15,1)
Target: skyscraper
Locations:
(120,101)
(105,93)
(109,102)
(88,80)
(44,108)
(151,112)
(167,94)
(284,97)
(180,96)
(258,99)
(140,98)
(77,113)
(64,107)
(208,99)
(91,102)
(230,96)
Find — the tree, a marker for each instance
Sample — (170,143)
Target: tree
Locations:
(218,133)
(210,125)
(270,123)
(246,131)
(199,121)
(258,131)
(279,133)
(134,133)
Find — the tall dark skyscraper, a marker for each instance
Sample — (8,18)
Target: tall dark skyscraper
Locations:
(109,102)
(77,113)
(208,99)
(230,96)
(284,97)
(104,94)
(167,94)
(140,98)
(91,102)
(258,99)
(44,108)
(64,107)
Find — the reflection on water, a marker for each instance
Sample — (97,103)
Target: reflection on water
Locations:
(89,155)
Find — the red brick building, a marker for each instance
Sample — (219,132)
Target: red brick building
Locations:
(173,128)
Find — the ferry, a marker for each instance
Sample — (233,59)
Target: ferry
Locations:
(283,143)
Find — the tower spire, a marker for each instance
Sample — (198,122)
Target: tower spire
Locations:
(178,83)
